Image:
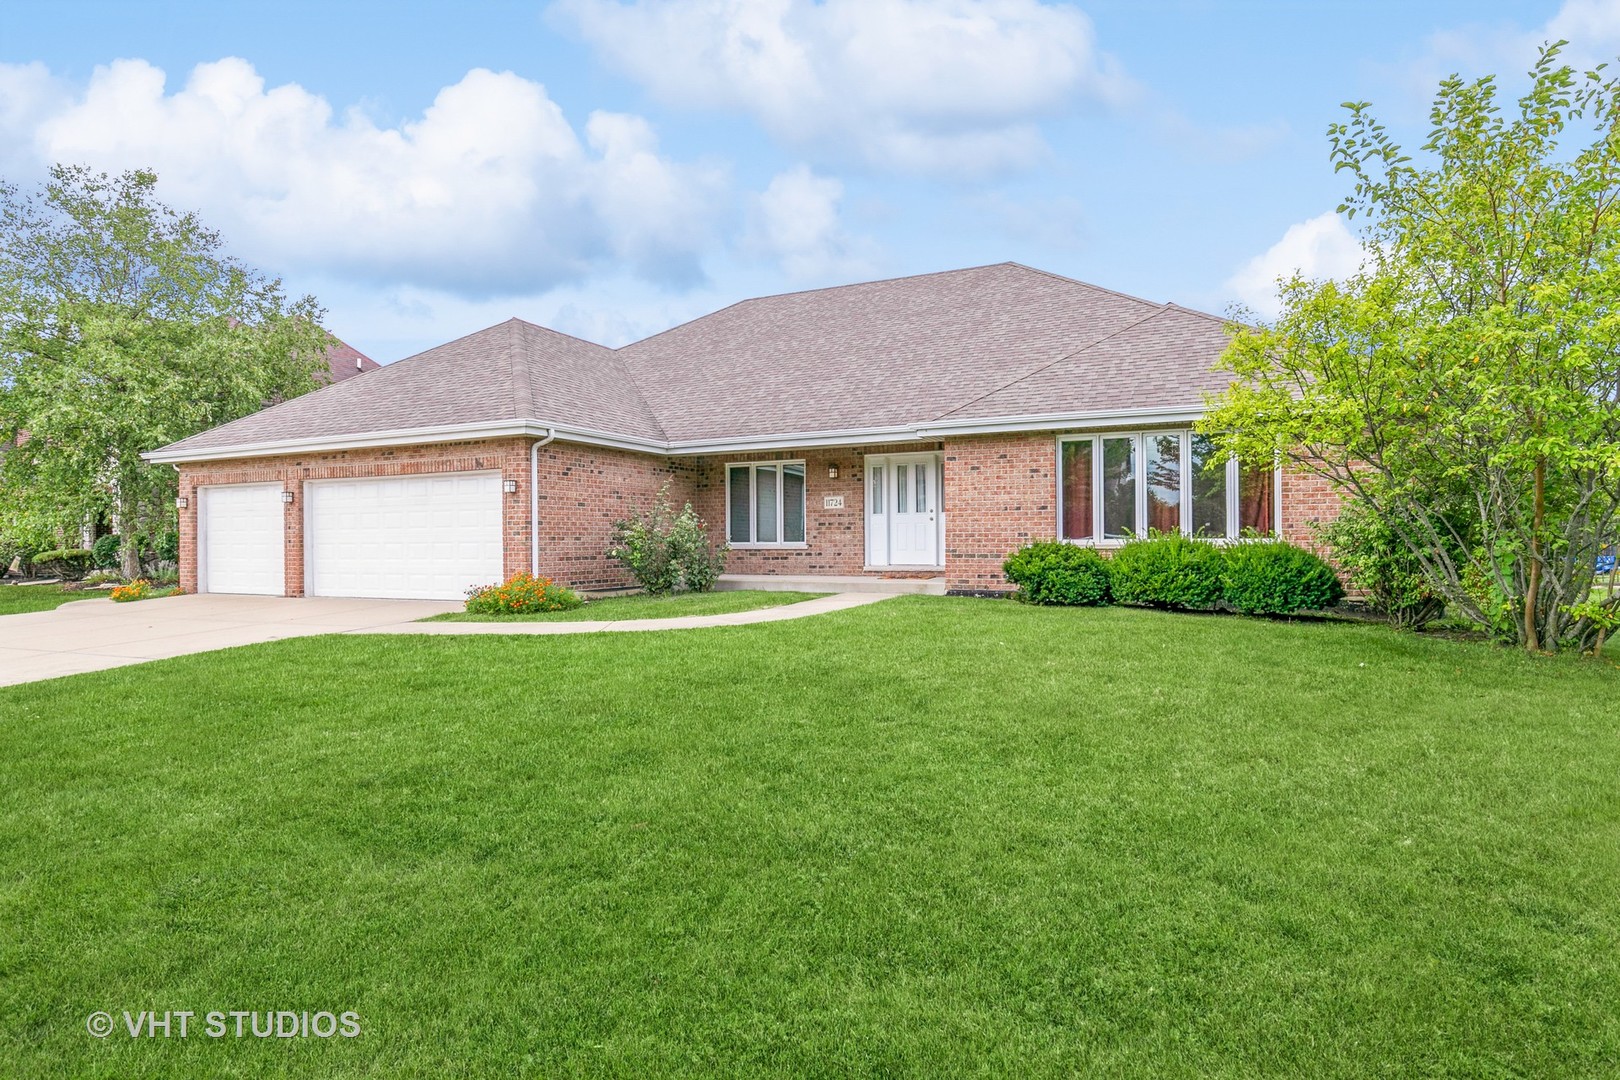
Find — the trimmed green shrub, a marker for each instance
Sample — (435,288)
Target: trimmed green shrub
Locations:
(522,594)
(104,552)
(1382,568)
(1274,577)
(1168,570)
(63,562)
(667,552)
(1052,572)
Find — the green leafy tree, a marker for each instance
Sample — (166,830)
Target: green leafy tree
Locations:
(1465,384)
(124,327)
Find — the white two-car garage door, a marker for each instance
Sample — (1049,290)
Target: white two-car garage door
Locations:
(241,544)
(406,537)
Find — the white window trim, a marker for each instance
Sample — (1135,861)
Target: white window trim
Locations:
(1139,438)
(753,468)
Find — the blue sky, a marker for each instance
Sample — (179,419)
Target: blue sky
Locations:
(611,168)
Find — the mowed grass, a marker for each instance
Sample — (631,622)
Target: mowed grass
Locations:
(17,599)
(616,608)
(928,837)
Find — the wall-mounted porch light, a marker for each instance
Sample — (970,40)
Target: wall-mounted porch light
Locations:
(832,472)
(509,486)
(287,497)
(182,502)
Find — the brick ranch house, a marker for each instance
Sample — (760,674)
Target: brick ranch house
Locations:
(922,427)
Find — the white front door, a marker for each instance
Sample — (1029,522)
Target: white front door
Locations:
(407,537)
(241,546)
(903,520)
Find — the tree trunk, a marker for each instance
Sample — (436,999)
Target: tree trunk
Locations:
(1532,640)
(129,555)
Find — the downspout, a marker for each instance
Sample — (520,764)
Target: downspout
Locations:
(534,500)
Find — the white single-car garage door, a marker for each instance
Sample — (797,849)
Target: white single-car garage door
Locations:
(241,543)
(405,537)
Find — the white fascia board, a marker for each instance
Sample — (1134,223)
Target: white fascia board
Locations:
(795,440)
(689,447)
(362,440)
(1061,421)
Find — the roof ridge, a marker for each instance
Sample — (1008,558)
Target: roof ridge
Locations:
(522,368)
(1222,319)
(635,388)
(523,403)
(818,289)
(1158,310)
(561,333)
(1123,295)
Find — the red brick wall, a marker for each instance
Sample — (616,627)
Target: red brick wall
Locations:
(583,491)
(1307,501)
(508,456)
(1000,494)
(835,540)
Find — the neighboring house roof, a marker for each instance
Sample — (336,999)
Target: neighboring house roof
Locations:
(345,362)
(963,349)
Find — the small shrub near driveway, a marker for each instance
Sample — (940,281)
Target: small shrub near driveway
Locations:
(1052,572)
(667,552)
(523,594)
(1274,577)
(1168,571)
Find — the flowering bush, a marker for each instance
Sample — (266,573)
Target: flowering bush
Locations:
(667,552)
(522,594)
(139,589)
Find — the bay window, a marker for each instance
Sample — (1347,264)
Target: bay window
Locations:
(765,504)
(1113,486)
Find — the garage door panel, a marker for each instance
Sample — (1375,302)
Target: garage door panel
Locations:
(243,550)
(408,537)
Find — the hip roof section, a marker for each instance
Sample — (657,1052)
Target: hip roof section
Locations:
(991,342)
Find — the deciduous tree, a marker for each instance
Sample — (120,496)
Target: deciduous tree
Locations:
(123,327)
(1465,385)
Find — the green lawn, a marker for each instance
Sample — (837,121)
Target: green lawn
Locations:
(16,599)
(928,837)
(614,608)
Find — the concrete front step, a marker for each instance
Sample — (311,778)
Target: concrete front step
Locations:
(831,583)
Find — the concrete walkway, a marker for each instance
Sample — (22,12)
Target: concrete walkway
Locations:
(92,635)
(803,609)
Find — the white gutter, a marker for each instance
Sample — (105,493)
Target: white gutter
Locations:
(534,503)
(929,430)
(1055,421)
(395,437)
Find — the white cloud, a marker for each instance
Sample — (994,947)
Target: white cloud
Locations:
(1592,27)
(1322,247)
(913,85)
(1508,49)
(796,221)
(490,191)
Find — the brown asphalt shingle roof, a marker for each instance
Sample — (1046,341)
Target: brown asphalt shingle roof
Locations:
(344,361)
(993,341)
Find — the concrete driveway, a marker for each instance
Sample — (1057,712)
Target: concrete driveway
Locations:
(89,635)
